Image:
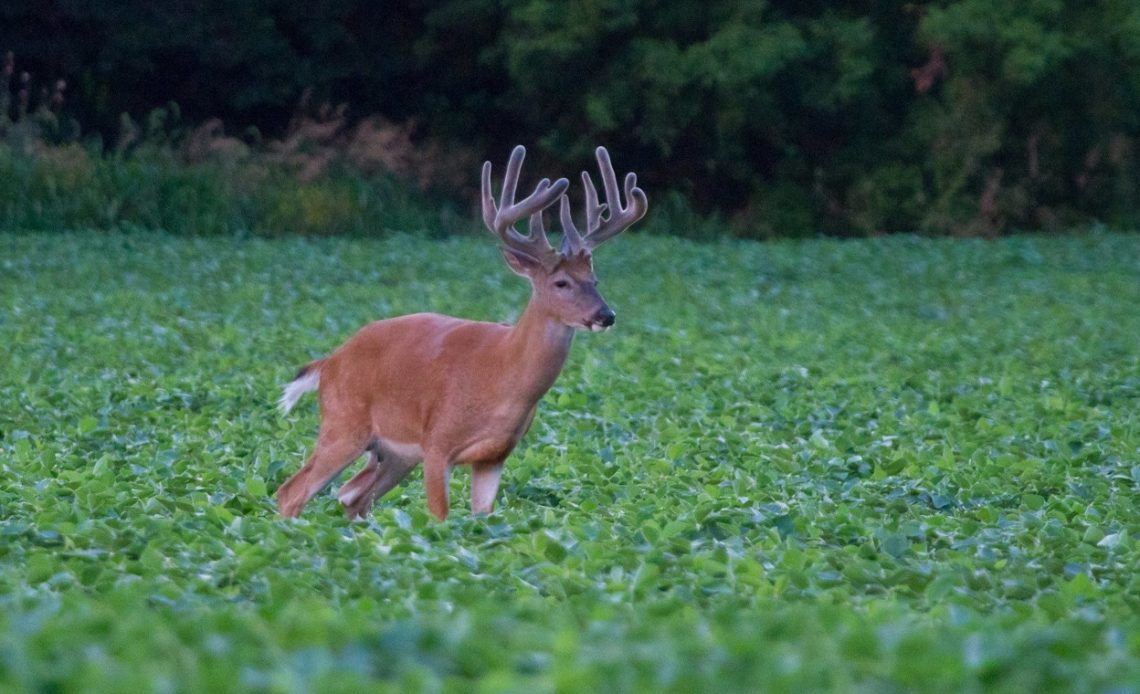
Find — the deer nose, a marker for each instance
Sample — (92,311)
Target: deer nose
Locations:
(605,317)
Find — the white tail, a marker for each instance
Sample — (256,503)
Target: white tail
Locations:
(309,378)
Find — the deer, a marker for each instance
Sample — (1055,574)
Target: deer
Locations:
(451,392)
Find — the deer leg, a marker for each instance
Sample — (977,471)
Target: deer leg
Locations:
(379,476)
(437,471)
(352,490)
(485,485)
(333,453)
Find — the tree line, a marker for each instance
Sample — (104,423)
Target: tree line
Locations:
(786,117)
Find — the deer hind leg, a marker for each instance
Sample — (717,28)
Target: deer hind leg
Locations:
(334,451)
(351,491)
(361,481)
(385,469)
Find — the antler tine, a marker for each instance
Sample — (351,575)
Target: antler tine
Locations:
(609,180)
(620,217)
(511,179)
(501,219)
(593,209)
(537,231)
(488,201)
(571,239)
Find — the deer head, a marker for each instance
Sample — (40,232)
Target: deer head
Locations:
(564,284)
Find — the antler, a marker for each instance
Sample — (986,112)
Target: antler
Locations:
(501,219)
(620,218)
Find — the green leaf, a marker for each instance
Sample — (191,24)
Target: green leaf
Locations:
(255,486)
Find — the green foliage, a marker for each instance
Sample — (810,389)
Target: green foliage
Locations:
(71,187)
(1039,97)
(893,464)
(943,116)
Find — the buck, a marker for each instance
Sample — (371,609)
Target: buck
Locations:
(446,391)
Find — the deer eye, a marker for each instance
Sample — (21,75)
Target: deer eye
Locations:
(561,284)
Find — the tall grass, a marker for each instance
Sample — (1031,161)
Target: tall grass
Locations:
(72,187)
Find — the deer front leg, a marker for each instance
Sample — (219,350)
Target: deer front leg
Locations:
(437,472)
(485,485)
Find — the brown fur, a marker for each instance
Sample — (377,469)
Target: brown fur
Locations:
(464,391)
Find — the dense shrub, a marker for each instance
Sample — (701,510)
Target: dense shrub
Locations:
(955,116)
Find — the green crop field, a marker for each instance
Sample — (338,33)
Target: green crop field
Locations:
(885,465)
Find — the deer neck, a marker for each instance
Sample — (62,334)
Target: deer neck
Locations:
(540,345)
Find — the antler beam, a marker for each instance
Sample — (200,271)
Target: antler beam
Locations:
(501,218)
(620,217)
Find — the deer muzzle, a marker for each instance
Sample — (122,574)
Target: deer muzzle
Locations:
(603,319)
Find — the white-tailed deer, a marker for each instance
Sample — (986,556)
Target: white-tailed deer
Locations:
(448,391)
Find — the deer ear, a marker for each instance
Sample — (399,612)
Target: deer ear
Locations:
(520,263)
